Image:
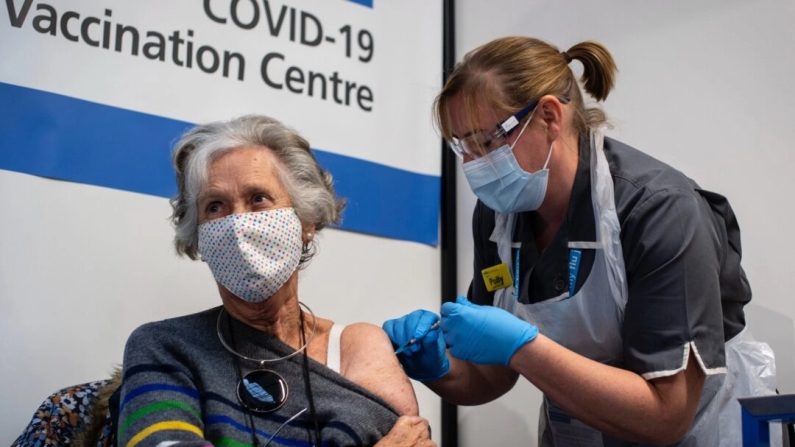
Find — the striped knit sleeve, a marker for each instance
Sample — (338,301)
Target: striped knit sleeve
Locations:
(159,404)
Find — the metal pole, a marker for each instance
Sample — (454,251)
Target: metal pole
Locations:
(448,217)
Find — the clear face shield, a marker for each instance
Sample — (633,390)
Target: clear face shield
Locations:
(479,144)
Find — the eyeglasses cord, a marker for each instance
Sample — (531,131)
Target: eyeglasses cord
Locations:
(276,432)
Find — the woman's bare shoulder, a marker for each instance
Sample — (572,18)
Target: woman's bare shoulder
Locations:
(368,359)
(366,336)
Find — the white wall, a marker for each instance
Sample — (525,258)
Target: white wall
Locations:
(704,86)
(82,266)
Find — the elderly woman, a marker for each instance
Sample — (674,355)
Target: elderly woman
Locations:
(262,369)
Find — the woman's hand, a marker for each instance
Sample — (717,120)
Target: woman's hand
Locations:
(409,431)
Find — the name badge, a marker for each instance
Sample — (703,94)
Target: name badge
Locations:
(497,277)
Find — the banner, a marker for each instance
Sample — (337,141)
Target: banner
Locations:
(97,92)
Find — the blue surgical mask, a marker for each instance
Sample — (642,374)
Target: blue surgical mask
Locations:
(500,183)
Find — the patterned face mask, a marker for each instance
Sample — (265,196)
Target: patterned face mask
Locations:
(252,254)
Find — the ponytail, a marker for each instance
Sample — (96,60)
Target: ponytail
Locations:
(599,68)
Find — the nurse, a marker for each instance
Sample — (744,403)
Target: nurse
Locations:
(605,277)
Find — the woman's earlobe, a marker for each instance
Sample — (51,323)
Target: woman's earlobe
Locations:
(545,127)
(552,130)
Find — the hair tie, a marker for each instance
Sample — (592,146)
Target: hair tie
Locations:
(566,56)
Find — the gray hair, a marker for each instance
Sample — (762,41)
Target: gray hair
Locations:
(309,186)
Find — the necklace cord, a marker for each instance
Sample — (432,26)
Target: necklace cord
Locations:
(308,385)
(262,362)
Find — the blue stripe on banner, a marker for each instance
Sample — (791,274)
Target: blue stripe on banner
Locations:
(385,201)
(69,139)
(368,3)
(56,136)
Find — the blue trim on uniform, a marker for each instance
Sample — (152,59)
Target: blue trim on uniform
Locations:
(575,255)
(516,274)
(65,138)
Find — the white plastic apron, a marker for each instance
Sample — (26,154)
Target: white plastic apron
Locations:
(590,321)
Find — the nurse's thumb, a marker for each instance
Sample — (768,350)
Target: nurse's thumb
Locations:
(462,300)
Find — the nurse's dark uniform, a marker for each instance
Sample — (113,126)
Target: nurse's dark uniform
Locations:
(679,289)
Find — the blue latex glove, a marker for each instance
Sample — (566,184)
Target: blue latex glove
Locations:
(425,359)
(484,334)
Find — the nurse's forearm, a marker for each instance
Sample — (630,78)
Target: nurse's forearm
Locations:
(470,384)
(612,400)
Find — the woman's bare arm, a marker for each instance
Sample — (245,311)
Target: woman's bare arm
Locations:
(368,359)
(658,411)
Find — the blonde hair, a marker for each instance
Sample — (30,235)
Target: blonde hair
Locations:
(508,73)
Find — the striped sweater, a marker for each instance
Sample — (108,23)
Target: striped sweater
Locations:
(179,388)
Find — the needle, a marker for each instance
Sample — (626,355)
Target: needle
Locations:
(416,339)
